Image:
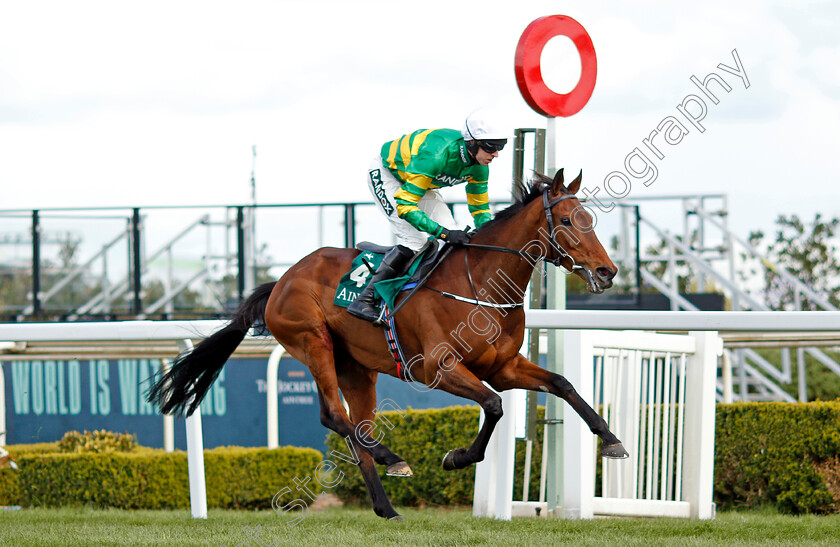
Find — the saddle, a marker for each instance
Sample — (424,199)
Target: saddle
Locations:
(352,282)
(427,257)
(424,262)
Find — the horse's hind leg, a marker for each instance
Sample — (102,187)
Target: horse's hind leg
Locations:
(333,414)
(304,334)
(520,373)
(359,388)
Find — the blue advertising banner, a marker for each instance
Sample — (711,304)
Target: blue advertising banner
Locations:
(45,399)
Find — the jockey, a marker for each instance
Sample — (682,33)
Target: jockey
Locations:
(404,179)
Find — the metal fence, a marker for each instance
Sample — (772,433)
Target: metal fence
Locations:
(166,262)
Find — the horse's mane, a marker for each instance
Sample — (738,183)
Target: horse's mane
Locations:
(523,194)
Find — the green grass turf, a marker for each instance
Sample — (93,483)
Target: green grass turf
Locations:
(343,526)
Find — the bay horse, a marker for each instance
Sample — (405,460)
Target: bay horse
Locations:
(459,343)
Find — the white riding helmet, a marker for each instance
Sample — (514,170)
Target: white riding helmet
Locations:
(483,125)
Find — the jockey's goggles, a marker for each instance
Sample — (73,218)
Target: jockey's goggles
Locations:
(492,146)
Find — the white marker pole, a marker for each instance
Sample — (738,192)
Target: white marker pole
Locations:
(195,456)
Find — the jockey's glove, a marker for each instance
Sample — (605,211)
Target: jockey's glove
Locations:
(455,237)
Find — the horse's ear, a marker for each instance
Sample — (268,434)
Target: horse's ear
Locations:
(575,185)
(558,182)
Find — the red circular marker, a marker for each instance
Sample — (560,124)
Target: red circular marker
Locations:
(529,74)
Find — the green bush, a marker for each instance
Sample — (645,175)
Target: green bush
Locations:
(421,438)
(769,453)
(240,477)
(9,487)
(17,450)
(97,441)
(152,479)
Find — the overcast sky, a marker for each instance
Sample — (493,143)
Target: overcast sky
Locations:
(159,103)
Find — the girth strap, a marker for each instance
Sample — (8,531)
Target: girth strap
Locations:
(403,372)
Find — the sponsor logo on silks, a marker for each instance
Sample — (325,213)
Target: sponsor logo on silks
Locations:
(449,180)
(463,151)
(376,182)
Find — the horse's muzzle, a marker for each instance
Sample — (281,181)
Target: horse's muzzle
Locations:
(601,279)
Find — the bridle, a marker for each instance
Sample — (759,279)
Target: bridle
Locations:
(552,240)
(559,251)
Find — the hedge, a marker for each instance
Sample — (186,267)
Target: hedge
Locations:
(784,454)
(780,454)
(421,438)
(9,483)
(152,479)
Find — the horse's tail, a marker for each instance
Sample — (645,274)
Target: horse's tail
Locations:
(193,372)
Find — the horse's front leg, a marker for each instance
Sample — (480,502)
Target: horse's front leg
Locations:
(463,383)
(520,373)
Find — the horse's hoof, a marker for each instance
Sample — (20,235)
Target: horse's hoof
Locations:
(614,451)
(397,517)
(449,459)
(399,469)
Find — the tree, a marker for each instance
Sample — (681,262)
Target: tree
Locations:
(809,251)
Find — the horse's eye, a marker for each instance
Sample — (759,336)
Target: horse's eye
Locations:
(566,221)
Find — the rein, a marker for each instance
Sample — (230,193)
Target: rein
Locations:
(555,245)
(552,241)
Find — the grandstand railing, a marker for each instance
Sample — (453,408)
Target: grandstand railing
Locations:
(103,263)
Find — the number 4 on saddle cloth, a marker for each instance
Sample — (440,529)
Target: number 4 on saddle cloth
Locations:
(352,283)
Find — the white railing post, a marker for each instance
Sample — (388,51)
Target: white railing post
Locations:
(168,419)
(195,456)
(271,394)
(579,464)
(2,406)
(699,439)
(493,494)
(484,493)
(726,376)
(505,434)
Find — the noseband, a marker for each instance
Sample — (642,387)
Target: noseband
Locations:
(552,240)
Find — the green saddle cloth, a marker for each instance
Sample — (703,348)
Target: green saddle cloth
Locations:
(352,282)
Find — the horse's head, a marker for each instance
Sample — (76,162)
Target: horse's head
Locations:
(572,240)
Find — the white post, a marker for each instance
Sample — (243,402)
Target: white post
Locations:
(484,493)
(493,494)
(271,396)
(505,434)
(195,456)
(699,439)
(550,146)
(727,377)
(579,463)
(2,406)
(168,419)
(554,410)
(168,433)
(250,255)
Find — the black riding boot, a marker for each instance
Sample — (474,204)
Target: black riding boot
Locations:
(364,307)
